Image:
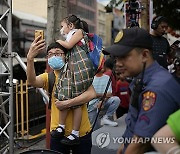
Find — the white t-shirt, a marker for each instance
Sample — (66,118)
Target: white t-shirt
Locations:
(70,34)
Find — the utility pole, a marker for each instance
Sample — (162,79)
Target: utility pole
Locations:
(145,14)
(56,11)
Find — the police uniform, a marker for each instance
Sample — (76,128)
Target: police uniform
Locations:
(159,98)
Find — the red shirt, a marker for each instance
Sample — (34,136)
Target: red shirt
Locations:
(122,91)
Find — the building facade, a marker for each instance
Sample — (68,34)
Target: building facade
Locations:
(104,24)
(36,12)
(34,7)
(86,10)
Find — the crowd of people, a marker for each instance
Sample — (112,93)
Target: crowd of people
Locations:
(84,98)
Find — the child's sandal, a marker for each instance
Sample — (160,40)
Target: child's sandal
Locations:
(67,141)
(56,134)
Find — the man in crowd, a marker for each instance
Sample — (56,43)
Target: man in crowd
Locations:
(110,103)
(55,51)
(161,48)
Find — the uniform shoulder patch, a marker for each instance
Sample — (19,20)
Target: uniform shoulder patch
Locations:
(149,99)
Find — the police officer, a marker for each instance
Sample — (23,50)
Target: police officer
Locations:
(153,99)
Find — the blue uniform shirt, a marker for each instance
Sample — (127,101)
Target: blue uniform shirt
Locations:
(160,97)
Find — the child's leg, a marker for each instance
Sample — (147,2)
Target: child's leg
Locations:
(76,122)
(60,130)
(62,119)
(77,118)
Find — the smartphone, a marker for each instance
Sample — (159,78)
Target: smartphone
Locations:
(39,33)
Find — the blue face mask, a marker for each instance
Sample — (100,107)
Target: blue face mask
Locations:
(56,62)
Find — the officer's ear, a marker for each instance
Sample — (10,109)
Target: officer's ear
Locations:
(145,55)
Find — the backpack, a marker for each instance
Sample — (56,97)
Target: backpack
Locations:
(51,81)
(95,54)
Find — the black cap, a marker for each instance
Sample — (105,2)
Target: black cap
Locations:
(128,39)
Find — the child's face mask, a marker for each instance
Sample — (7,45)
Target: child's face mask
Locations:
(62,33)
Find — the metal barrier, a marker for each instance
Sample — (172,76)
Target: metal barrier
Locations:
(29,110)
(20,91)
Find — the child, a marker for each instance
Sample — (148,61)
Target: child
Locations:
(77,76)
(124,94)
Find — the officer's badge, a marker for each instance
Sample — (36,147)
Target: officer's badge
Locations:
(118,36)
(149,99)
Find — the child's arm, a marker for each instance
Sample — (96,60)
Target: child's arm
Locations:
(73,41)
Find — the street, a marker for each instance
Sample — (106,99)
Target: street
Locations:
(105,140)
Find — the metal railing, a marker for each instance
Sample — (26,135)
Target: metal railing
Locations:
(24,110)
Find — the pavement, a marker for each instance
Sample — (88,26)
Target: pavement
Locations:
(23,146)
(105,140)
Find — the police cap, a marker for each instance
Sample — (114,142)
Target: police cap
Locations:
(128,39)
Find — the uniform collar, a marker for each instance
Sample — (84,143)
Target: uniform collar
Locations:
(147,74)
(149,71)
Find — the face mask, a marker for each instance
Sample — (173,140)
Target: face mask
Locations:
(56,62)
(62,33)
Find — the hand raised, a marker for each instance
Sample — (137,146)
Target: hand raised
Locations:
(36,47)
